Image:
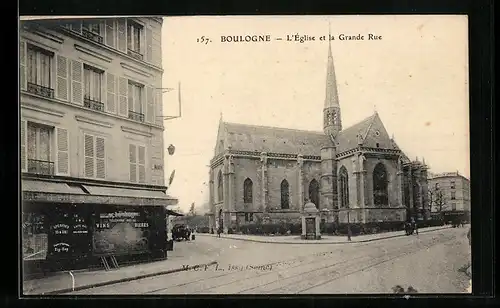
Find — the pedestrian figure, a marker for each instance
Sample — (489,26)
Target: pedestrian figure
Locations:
(219,231)
(349,233)
(414,225)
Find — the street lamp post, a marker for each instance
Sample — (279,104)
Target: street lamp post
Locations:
(348,224)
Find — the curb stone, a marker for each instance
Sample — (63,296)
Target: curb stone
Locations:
(326,242)
(126,279)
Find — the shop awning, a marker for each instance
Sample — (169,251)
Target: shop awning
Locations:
(60,192)
(50,187)
(121,192)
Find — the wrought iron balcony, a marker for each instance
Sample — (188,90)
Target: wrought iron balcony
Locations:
(136,116)
(135,54)
(93,104)
(92,36)
(40,90)
(40,166)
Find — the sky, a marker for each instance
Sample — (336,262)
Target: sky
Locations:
(415,77)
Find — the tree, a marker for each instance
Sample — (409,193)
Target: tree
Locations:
(437,199)
(192,211)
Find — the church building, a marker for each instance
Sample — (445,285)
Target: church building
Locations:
(357,174)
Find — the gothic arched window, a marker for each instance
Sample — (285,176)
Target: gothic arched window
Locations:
(247,191)
(380,180)
(314,192)
(285,195)
(220,187)
(344,187)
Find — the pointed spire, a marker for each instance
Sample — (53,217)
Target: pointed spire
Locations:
(392,137)
(329,41)
(331,98)
(423,161)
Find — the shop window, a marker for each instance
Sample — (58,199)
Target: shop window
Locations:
(35,239)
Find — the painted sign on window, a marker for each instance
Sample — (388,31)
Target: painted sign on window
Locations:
(120,232)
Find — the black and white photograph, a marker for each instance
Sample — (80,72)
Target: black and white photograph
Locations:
(223,155)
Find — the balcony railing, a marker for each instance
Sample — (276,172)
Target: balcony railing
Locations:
(93,104)
(40,166)
(92,36)
(135,54)
(136,116)
(40,90)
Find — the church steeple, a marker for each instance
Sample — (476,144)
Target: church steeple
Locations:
(332,123)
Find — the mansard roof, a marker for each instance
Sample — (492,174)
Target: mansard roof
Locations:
(274,139)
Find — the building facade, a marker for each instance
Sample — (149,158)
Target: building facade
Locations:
(449,191)
(358,174)
(92,149)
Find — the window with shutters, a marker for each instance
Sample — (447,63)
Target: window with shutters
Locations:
(94,156)
(110,32)
(92,79)
(134,40)
(137,160)
(39,149)
(39,71)
(135,101)
(92,30)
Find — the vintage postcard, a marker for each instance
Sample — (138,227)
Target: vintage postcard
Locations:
(245,155)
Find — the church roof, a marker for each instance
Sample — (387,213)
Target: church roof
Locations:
(370,132)
(348,138)
(246,137)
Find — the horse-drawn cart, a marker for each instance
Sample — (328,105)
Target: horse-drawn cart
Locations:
(180,232)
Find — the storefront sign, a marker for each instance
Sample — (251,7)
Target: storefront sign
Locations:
(120,232)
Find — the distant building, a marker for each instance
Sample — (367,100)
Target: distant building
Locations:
(354,174)
(454,188)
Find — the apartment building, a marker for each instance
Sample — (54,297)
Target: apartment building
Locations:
(91,135)
(450,192)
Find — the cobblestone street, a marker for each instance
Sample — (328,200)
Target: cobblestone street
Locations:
(430,263)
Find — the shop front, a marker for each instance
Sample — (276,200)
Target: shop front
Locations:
(69,229)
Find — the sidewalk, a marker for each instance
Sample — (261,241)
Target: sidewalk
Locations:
(325,239)
(62,282)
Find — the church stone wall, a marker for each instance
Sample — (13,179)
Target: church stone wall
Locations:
(278,170)
(248,168)
(391,167)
